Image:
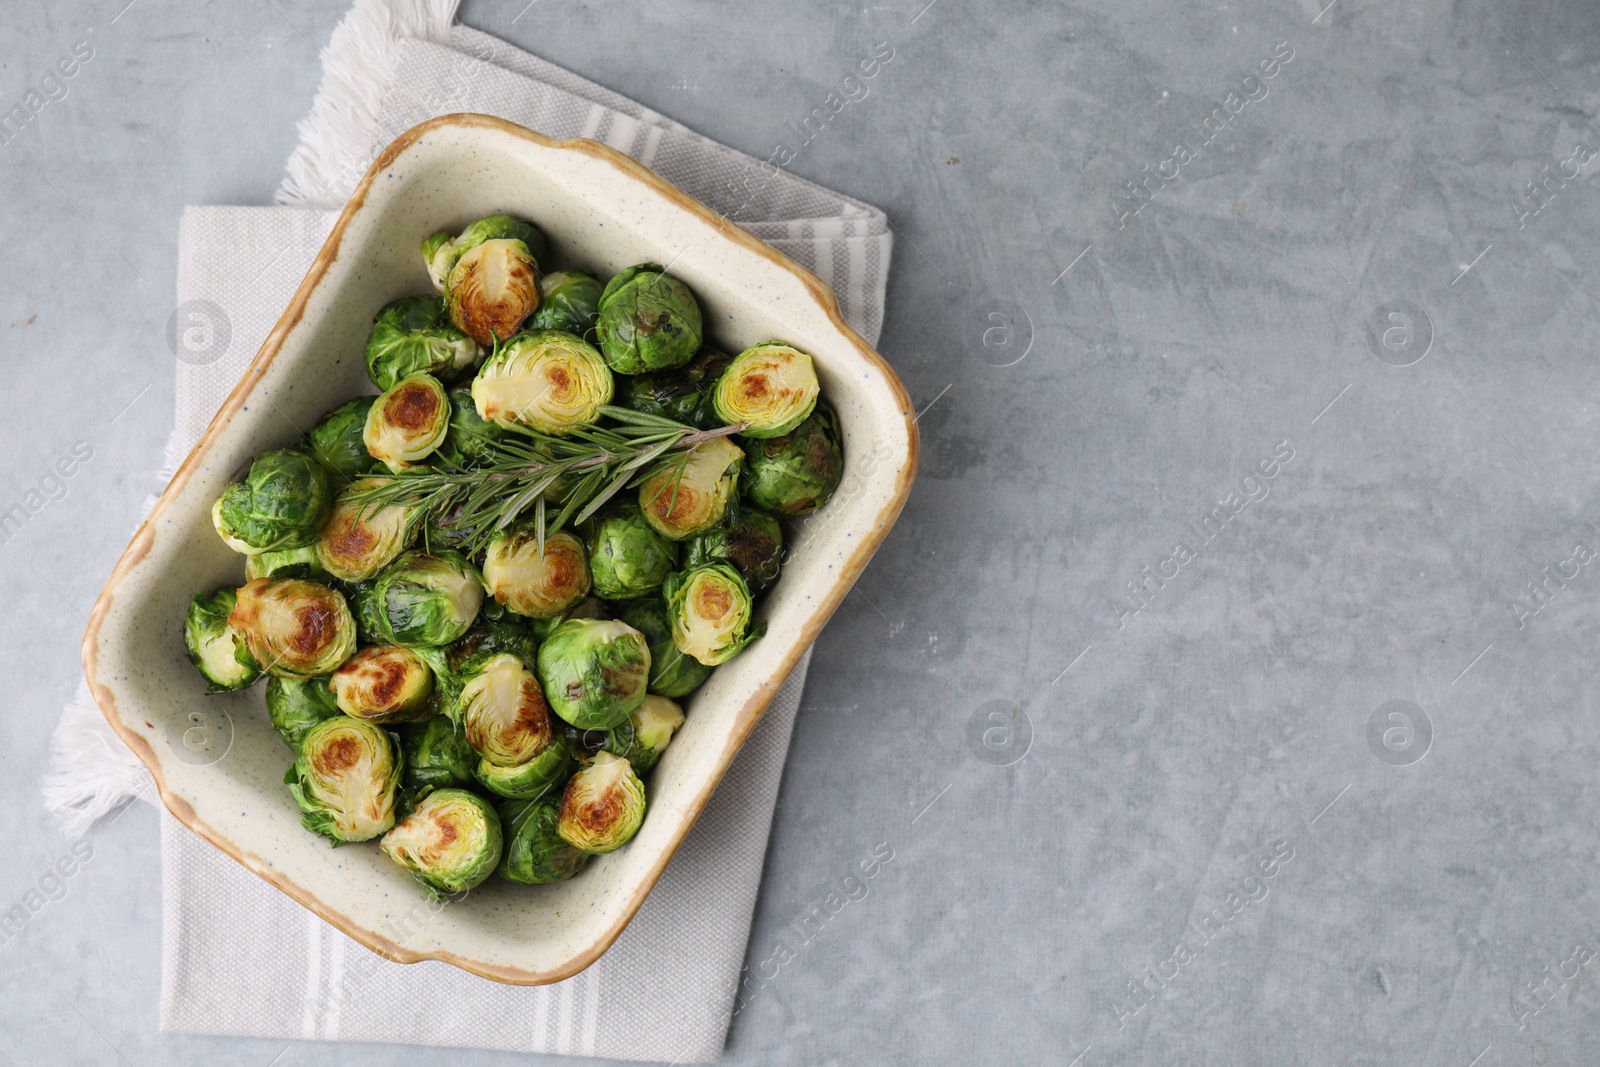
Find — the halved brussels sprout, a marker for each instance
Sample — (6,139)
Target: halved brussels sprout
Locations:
(542,774)
(649,320)
(685,394)
(299,562)
(672,672)
(504,712)
(440,251)
(753,544)
(216,651)
(536,584)
(711,608)
(470,438)
(640,739)
(385,683)
(627,557)
(295,705)
(450,842)
(603,806)
(534,851)
(546,380)
(407,423)
(692,497)
(280,503)
(425,599)
(569,300)
(294,628)
(336,442)
(414,335)
(771,387)
(360,539)
(594,671)
(492,289)
(796,474)
(437,755)
(344,779)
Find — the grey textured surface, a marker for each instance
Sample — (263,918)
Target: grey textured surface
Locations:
(1430,910)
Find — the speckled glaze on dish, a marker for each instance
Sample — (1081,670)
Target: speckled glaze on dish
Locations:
(603,212)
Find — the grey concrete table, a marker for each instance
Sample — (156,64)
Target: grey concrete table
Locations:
(1225,694)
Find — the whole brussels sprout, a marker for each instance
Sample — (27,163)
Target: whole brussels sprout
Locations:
(770,388)
(796,474)
(336,442)
(470,438)
(603,805)
(672,672)
(293,627)
(534,851)
(408,422)
(440,251)
(437,755)
(385,683)
(344,779)
(492,289)
(594,671)
(711,609)
(360,539)
(295,705)
(280,504)
(692,496)
(641,739)
(504,711)
(649,320)
(450,842)
(683,395)
(753,544)
(569,300)
(591,607)
(548,381)
(299,562)
(627,557)
(425,599)
(528,582)
(216,651)
(542,774)
(488,638)
(414,335)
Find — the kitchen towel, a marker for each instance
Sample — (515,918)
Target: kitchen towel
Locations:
(241,958)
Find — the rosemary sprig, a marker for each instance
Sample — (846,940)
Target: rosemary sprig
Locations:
(598,461)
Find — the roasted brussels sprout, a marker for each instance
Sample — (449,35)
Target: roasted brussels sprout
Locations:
(692,496)
(440,251)
(385,683)
(424,599)
(594,671)
(450,842)
(542,774)
(488,638)
(569,300)
(603,805)
(685,394)
(344,779)
(753,544)
(293,627)
(407,423)
(216,651)
(360,539)
(299,562)
(414,335)
(627,557)
(673,673)
(295,705)
(649,321)
(591,607)
(534,852)
(437,755)
(337,443)
(546,380)
(470,438)
(770,389)
(504,711)
(796,474)
(711,609)
(280,504)
(640,739)
(537,585)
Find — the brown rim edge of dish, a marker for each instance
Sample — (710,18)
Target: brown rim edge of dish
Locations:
(747,716)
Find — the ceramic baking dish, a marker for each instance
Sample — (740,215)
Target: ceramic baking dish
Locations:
(216,760)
